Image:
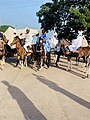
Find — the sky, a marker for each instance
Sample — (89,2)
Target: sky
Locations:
(20,13)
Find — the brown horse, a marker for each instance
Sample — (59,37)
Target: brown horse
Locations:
(2,53)
(9,52)
(64,50)
(85,51)
(21,52)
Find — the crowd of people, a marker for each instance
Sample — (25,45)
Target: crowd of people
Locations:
(31,42)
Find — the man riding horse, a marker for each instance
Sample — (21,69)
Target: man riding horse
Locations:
(72,49)
(28,40)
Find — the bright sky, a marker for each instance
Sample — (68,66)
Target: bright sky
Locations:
(20,13)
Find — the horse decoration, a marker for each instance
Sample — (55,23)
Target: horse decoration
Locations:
(21,52)
(2,54)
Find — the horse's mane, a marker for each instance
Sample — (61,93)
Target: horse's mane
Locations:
(16,37)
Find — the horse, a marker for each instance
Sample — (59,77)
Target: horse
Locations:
(2,53)
(9,52)
(21,52)
(85,51)
(39,55)
(65,51)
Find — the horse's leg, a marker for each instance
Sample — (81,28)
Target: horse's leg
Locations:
(88,67)
(48,59)
(22,60)
(18,59)
(42,60)
(77,60)
(84,60)
(69,63)
(26,60)
(3,62)
(58,57)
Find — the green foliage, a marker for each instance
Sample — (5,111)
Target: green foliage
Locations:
(65,16)
(3,28)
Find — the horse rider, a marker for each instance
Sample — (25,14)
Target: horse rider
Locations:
(28,40)
(54,41)
(78,42)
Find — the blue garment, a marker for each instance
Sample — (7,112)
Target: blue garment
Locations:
(43,36)
(35,40)
(48,46)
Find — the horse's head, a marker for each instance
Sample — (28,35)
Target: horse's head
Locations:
(5,39)
(15,40)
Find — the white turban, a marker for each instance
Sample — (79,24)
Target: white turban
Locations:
(54,34)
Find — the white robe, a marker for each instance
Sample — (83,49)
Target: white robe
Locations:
(28,41)
(76,43)
(53,42)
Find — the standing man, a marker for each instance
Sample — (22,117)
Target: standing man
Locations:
(46,44)
(35,41)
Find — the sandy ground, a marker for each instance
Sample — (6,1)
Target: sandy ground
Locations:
(49,94)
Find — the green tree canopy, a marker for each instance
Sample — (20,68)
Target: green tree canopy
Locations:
(3,28)
(65,16)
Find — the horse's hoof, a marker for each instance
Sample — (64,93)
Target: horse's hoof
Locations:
(2,69)
(21,68)
(15,66)
(67,69)
(88,75)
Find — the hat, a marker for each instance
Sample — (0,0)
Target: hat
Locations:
(27,28)
(54,34)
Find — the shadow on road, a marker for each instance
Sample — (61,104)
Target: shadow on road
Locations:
(64,67)
(28,109)
(55,87)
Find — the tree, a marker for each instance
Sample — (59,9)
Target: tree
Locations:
(3,28)
(65,16)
